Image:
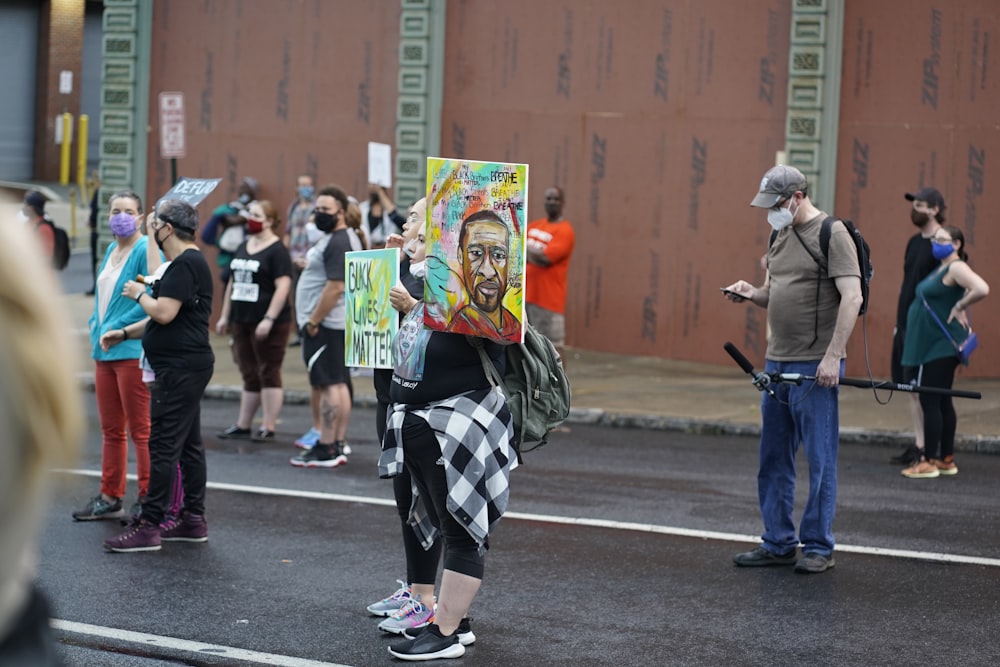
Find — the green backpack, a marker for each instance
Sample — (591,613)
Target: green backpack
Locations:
(535,385)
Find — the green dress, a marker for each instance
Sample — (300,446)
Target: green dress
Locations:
(924,340)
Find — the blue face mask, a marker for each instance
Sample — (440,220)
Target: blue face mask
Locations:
(306,191)
(941,250)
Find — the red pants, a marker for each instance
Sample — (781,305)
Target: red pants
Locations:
(122,399)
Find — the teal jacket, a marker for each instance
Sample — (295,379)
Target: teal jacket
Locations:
(121,311)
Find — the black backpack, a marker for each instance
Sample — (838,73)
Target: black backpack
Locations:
(864,253)
(60,246)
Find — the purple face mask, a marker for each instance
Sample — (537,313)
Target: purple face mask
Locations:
(122,224)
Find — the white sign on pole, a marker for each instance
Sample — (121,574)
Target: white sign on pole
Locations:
(380,164)
(172,125)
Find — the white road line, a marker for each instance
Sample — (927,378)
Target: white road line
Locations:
(186,646)
(589,523)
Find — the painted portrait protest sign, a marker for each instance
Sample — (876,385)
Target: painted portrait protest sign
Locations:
(476,226)
(372,322)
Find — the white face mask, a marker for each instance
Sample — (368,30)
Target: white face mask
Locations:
(22,217)
(780,218)
(312,233)
(419,269)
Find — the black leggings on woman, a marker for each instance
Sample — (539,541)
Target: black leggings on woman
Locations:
(421,453)
(421,565)
(940,420)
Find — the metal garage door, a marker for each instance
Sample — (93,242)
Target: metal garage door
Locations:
(18,57)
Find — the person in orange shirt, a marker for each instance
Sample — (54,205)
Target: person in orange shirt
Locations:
(550,244)
(34,212)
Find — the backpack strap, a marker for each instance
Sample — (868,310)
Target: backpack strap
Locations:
(488,368)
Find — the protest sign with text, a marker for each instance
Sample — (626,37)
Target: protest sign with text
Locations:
(372,322)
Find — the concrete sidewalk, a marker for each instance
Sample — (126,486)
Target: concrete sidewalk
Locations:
(652,393)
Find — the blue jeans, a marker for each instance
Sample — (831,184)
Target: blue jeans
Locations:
(806,414)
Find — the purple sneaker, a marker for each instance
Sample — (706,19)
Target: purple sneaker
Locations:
(189,528)
(139,536)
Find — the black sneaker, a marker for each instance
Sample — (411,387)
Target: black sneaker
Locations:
(97,508)
(430,645)
(234,432)
(465,635)
(263,435)
(814,563)
(761,557)
(320,456)
(908,456)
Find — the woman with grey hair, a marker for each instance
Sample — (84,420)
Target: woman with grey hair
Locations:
(176,344)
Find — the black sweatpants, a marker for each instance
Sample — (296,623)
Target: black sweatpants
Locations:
(421,454)
(175,436)
(421,566)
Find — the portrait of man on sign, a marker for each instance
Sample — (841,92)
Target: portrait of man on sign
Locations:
(476,242)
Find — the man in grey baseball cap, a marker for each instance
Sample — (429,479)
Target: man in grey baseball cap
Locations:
(779,183)
(812,305)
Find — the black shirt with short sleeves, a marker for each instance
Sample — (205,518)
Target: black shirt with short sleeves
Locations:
(452,366)
(182,343)
(253,277)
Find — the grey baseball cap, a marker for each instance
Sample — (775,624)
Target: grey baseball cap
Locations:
(779,183)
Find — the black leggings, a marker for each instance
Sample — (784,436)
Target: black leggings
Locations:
(421,565)
(421,453)
(940,420)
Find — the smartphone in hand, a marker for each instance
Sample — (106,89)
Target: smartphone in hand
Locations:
(730,293)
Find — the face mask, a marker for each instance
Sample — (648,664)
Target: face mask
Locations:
(122,225)
(22,217)
(780,218)
(306,191)
(325,222)
(312,233)
(419,269)
(941,250)
(156,237)
(917,218)
(409,248)
(243,199)
(255,226)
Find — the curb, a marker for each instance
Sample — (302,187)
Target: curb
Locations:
(980,444)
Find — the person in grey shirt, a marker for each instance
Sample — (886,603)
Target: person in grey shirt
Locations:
(321,317)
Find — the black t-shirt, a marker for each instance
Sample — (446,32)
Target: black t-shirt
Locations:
(918,262)
(183,343)
(435,365)
(253,282)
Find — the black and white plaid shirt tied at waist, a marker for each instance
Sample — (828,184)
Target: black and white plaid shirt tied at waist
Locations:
(475,431)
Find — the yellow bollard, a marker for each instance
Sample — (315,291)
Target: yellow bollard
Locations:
(72,217)
(67,127)
(81,158)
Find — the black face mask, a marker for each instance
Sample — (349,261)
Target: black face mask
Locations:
(917,218)
(325,222)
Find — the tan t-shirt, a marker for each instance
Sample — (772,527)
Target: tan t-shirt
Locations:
(795,332)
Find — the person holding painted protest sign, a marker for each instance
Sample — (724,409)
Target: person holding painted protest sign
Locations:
(320,309)
(177,346)
(548,249)
(411,606)
(483,249)
(444,415)
(255,309)
(122,396)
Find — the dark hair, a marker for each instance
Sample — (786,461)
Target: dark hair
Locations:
(956,235)
(181,215)
(481,216)
(126,194)
(337,193)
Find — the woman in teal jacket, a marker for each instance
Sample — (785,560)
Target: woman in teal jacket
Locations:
(929,354)
(122,397)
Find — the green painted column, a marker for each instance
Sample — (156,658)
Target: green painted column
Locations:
(814,78)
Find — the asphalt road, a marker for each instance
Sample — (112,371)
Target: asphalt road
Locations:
(616,551)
